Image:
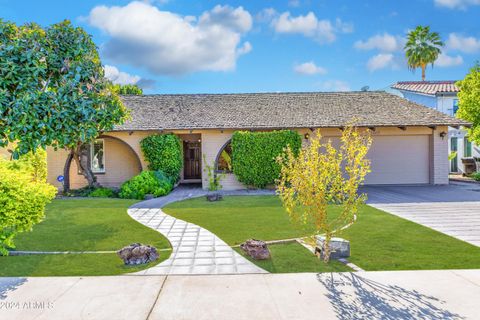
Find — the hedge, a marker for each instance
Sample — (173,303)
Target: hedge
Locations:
(254,155)
(163,152)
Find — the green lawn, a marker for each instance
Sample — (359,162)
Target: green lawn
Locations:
(81,225)
(379,241)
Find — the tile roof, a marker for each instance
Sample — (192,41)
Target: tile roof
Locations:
(277,110)
(427,87)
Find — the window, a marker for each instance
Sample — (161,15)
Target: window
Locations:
(467,148)
(224,158)
(455,106)
(453,150)
(97,156)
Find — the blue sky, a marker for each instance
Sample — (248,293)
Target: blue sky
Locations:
(174,46)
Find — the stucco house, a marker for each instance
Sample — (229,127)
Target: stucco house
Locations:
(442,96)
(410,143)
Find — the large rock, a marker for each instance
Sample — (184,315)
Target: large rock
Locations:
(256,249)
(339,248)
(137,253)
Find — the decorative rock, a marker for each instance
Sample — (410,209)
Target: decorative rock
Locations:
(149,196)
(137,253)
(256,249)
(339,248)
(214,197)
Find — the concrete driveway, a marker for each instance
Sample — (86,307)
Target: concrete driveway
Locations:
(453,209)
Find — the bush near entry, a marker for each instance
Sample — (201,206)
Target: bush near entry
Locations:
(254,155)
(164,153)
(147,182)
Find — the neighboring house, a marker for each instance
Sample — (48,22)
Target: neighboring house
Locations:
(442,96)
(409,140)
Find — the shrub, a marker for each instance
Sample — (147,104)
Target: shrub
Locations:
(254,155)
(164,153)
(23,197)
(102,193)
(476,176)
(147,182)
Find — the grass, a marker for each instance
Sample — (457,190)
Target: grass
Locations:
(379,241)
(82,225)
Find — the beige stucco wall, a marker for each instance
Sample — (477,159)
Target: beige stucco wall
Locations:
(121,164)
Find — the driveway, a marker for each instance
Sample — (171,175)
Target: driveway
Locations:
(453,209)
(447,294)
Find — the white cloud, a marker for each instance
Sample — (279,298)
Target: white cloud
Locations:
(167,43)
(462,43)
(323,31)
(119,77)
(456,4)
(380,61)
(294,3)
(309,68)
(444,60)
(335,85)
(383,42)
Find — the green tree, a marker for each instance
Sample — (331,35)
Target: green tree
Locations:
(422,48)
(127,89)
(53,91)
(469,102)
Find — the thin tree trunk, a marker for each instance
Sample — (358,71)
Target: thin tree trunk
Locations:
(81,158)
(423,72)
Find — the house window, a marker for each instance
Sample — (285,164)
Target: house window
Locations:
(455,106)
(454,149)
(97,156)
(467,148)
(224,158)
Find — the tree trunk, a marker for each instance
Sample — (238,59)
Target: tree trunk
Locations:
(81,158)
(423,72)
(326,247)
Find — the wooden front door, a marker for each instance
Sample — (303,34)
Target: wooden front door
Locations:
(192,154)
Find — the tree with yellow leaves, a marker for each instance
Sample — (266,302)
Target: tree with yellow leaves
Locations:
(321,175)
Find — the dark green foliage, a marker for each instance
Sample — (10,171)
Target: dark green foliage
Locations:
(127,89)
(147,182)
(164,153)
(254,154)
(102,193)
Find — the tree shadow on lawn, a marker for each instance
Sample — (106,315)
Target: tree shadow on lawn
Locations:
(9,284)
(355,297)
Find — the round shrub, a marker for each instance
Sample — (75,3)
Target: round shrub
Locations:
(147,182)
(102,193)
(23,197)
(254,155)
(163,152)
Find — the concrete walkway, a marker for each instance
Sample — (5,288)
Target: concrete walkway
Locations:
(432,295)
(195,249)
(453,209)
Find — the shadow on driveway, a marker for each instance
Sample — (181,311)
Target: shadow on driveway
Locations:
(9,284)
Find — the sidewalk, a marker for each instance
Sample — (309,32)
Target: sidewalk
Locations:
(450,294)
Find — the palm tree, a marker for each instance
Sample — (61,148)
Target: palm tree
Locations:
(422,48)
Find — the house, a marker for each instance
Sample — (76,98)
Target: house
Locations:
(409,140)
(442,96)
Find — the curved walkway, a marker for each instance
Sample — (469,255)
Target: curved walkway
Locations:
(195,249)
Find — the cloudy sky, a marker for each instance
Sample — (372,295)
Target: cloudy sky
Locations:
(174,46)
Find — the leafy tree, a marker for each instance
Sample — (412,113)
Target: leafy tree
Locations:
(322,175)
(469,102)
(53,91)
(422,48)
(127,89)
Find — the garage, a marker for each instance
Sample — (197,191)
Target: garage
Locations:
(399,160)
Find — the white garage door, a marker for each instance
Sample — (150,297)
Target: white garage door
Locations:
(399,160)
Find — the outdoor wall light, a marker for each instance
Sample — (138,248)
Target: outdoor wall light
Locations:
(306,136)
(443,134)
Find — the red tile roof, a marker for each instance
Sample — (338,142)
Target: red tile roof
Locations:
(427,87)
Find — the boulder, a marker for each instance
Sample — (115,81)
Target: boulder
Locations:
(256,249)
(137,253)
(339,248)
(214,197)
